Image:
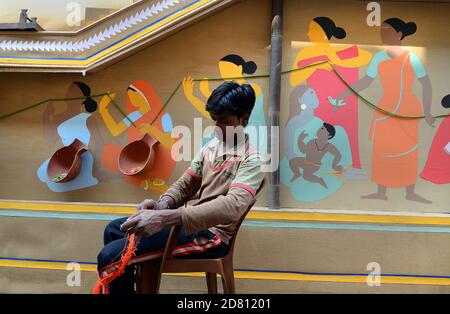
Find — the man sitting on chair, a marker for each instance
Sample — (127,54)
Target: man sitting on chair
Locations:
(225,174)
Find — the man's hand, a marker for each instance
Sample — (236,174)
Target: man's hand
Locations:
(164,203)
(147,204)
(144,222)
(148,222)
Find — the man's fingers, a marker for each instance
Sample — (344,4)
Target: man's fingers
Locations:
(137,230)
(130,223)
(136,214)
(150,204)
(147,204)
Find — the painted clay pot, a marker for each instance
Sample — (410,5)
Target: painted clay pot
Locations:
(65,164)
(138,156)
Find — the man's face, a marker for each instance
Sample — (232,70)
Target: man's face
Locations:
(227,122)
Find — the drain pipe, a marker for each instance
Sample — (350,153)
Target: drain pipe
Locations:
(274,102)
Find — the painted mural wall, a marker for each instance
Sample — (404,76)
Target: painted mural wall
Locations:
(350,151)
(338,150)
(101,128)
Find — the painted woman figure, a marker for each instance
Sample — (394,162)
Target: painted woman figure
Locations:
(326,83)
(143,106)
(396,140)
(70,125)
(234,66)
(437,167)
(302,104)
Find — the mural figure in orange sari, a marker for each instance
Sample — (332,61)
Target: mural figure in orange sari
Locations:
(396,140)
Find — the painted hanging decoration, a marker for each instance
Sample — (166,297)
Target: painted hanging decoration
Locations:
(65,164)
(138,156)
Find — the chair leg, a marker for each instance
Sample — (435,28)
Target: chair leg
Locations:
(211,282)
(148,278)
(228,280)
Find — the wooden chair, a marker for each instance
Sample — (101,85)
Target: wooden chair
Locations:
(148,273)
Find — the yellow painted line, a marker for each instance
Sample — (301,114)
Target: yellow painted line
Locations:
(43,265)
(254,215)
(112,49)
(361,218)
(347,279)
(72,208)
(250,275)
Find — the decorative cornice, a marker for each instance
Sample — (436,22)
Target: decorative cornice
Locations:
(114,38)
(110,32)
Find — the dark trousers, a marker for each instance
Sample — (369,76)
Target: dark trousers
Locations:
(114,243)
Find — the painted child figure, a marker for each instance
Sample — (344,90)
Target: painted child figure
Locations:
(314,150)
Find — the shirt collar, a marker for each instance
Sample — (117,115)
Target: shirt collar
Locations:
(219,149)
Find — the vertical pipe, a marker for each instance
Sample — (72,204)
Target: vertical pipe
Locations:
(274,101)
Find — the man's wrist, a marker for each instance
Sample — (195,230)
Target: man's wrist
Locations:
(172,217)
(162,204)
(166,202)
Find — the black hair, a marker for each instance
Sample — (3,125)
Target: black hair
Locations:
(330,28)
(331,130)
(400,26)
(233,98)
(247,67)
(445,102)
(90,105)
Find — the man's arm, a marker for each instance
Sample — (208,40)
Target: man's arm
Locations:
(221,210)
(224,209)
(165,211)
(227,208)
(186,186)
(181,191)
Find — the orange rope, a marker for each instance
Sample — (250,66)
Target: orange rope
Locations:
(124,261)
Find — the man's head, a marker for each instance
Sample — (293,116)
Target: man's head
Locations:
(327,131)
(230,106)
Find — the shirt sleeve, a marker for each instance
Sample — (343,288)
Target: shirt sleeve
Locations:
(188,184)
(226,209)
(249,175)
(223,210)
(195,170)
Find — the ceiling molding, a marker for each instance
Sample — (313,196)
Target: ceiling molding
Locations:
(114,37)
